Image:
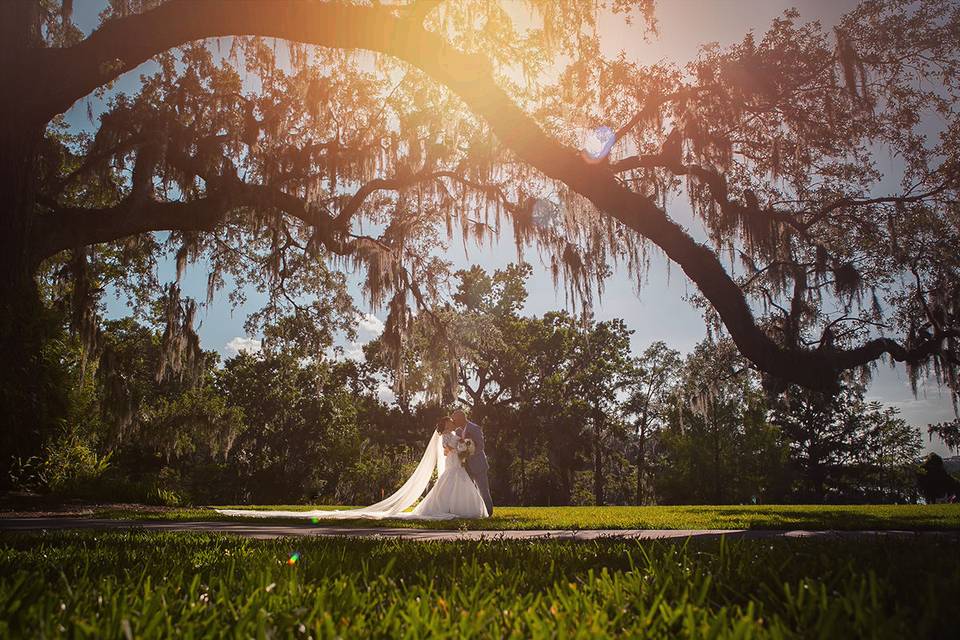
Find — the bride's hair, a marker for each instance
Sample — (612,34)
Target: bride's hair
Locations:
(442,422)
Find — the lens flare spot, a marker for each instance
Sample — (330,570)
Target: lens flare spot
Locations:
(597,143)
(294,558)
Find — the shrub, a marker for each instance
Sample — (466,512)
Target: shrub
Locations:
(73,468)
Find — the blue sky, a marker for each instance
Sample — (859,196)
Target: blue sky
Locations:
(659,311)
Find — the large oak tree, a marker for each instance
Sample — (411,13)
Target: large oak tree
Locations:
(272,163)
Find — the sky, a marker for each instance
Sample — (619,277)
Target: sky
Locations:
(659,310)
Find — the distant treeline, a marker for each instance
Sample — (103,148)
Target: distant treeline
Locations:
(571,416)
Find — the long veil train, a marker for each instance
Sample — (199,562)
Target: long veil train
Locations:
(391,507)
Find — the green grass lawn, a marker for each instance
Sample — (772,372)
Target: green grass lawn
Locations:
(942,516)
(158,585)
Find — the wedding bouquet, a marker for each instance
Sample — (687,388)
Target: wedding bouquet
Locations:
(465,449)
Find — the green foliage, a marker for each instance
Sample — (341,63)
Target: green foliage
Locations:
(36,349)
(935,482)
(947,432)
(156,585)
(657,371)
(845,449)
(72,468)
(726,442)
(548,390)
(66,458)
(160,431)
(304,426)
(718,446)
(197,425)
(571,417)
(376,473)
(275,426)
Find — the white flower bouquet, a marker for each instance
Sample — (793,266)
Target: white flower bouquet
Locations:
(465,449)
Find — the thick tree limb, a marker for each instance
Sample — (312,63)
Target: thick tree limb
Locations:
(356,201)
(719,192)
(69,228)
(717,185)
(123,44)
(853,202)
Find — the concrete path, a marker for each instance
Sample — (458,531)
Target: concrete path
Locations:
(267,531)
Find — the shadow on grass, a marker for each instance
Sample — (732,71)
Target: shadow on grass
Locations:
(837,517)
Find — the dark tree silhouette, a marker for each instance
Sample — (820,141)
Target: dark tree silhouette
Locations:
(657,369)
(772,137)
(934,481)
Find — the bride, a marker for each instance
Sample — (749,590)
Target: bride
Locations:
(454,495)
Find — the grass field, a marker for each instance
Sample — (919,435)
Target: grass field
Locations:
(135,584)
(941,516)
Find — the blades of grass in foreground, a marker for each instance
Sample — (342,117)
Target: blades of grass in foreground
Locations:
(137,584)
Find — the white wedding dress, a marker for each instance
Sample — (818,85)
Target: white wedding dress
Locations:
(454,495)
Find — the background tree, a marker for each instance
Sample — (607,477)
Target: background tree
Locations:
(304,432)
(772,139)
(887,457)
(718,447)
(558,396)
(657,369)
(820,429)
(935,482)
(548,390)
(948,432)
(604,372)
(844,449)
(135,433)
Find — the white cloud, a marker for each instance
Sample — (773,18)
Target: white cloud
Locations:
(370,323)
(385,393)
(344,352)
(354,351)
(242,344)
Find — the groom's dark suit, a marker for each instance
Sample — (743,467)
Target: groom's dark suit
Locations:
(477,463)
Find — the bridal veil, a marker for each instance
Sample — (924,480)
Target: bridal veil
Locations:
(392,506)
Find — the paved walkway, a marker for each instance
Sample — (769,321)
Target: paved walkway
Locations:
(267,531)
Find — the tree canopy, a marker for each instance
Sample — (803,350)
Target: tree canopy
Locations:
(279,141)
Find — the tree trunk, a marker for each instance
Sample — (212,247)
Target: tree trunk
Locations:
(815,471)
(642,453)
(32,390)
(717,482)
(599,481)
(523,471)
(641,466)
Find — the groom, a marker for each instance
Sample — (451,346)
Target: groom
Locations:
(477,463)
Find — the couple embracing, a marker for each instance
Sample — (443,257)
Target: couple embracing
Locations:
(462,487)
(456,452)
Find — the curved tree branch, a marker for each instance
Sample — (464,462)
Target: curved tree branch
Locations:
(69,227)
(123,44)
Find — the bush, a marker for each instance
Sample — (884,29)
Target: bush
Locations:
(374,476)
(72,468)
(167,498)
(27,473)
